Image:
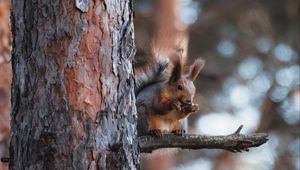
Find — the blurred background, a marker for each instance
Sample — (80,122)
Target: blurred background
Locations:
(251,77)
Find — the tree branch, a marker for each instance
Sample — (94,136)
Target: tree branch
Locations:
(235,142)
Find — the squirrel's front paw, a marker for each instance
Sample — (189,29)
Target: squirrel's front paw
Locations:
(195,108)
(178,132)
(176,105)
(190,108)
(156,133)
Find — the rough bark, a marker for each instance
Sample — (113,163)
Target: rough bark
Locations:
(72,93)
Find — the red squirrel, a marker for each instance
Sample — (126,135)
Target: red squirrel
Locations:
(167,97)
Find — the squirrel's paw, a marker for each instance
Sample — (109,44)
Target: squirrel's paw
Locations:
(178,132)
(195,108)
(176,105)
(190,108)
(156,132)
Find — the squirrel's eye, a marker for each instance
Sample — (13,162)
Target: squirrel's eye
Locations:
(179,87)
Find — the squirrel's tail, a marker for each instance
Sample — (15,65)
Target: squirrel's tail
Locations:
(153,71)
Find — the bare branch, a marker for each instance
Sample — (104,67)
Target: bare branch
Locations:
(235,142)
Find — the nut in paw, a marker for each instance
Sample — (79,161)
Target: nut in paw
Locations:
(189,108)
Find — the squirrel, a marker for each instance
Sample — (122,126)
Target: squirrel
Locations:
(165,95)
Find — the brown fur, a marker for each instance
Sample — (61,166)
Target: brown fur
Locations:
(165,104)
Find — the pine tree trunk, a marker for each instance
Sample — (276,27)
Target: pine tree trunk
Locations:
(72,93)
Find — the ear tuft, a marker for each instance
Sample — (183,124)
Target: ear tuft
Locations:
(176,73)
(196,68)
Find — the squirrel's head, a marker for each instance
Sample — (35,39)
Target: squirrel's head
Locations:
(182,86)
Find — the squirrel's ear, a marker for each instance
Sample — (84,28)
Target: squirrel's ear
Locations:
(176,73)
(196,68)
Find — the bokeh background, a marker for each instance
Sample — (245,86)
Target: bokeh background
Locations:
(251,77)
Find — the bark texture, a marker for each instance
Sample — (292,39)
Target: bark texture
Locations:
(73,105)
(235,142)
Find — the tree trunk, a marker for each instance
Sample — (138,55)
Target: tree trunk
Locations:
(73,105)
